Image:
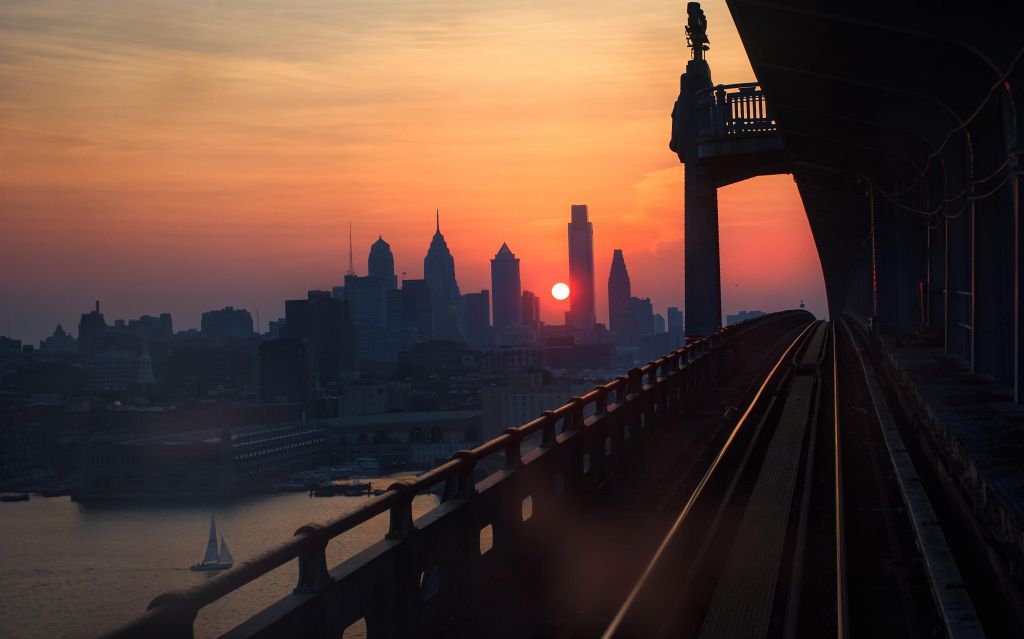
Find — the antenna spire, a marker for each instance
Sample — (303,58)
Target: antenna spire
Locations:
(351,264)
(437,220)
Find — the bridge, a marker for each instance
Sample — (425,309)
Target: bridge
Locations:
(784,476)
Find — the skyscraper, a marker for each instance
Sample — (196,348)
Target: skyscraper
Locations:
(91,329)
(476,317)
(439,272)
(581,269)
(505,287)
(531,309)
(619,291)
(324,327)
(381,263)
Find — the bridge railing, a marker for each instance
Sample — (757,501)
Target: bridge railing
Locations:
(408,583)
(732,110)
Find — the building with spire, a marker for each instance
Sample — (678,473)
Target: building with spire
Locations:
(381,264)
(506,289)
(351,263)
(439,273)
(582,314)
(619,292)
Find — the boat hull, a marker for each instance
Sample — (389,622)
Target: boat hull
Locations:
(211,566)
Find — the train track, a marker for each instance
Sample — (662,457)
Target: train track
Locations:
(762,531)
(803,525)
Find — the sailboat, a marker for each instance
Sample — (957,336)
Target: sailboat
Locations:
(215,559)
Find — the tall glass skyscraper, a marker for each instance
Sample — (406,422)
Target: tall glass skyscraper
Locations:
(506,288)
(581,270)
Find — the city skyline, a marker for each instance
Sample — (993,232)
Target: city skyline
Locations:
(380,264)
(189,206)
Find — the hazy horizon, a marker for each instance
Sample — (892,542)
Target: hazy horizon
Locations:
(171,157)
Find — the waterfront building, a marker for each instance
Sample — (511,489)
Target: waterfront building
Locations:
(206,463)
(523,398)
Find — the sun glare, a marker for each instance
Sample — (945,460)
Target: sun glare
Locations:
(560,291)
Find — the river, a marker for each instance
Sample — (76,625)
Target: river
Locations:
(75,570)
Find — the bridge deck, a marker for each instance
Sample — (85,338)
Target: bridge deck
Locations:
(577,587)
(742,604)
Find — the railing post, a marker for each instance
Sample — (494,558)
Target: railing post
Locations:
(401,512)
(513,450)
(634,382)
(621,389)
(575,420)
(313,573)
(601,402)
(547,433)
(182,615)
(462,484)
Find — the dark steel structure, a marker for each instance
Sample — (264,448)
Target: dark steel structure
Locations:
(902,127)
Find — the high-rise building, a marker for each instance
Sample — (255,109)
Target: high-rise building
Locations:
(439,272)
(91,329)
(324,326)
(476,317)
(659,324)
(675,326)
(381,263)
(581,269)
(638,320)
(619,291)
(227,323)
(410,314)
(530,305)
(506,288)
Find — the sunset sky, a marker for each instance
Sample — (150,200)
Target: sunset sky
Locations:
(179,156)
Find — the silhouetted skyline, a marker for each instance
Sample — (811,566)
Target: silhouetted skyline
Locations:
(230,150)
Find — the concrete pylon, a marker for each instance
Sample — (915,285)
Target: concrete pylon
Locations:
(703,278)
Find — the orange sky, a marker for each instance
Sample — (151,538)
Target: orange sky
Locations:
(182,155)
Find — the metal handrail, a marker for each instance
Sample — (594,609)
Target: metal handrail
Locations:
(731,110)
(309,542)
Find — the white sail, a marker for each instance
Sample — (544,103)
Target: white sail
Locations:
(211,544)
(225,554)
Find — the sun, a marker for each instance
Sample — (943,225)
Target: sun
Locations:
(560,291)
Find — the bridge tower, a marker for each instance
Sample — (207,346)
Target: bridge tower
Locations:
(722,134)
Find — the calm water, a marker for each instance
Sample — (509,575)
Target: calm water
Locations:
(73,570)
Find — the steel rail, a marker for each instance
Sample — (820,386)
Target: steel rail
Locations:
(842,604)
(616,622)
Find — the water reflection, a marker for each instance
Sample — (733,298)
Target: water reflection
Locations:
(76,570)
